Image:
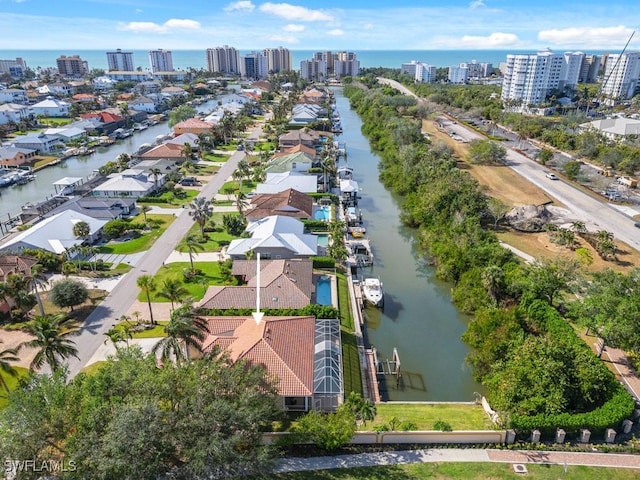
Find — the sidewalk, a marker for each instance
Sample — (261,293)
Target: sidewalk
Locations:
(457,455)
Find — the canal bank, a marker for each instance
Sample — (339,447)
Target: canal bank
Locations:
(418,318)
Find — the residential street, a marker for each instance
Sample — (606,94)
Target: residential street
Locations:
(119,301)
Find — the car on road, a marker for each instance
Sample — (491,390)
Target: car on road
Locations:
(551,176)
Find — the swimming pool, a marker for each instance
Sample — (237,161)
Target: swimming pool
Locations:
(323,291)
(323,239)
(323,213)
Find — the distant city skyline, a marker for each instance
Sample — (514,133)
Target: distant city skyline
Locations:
(327,25)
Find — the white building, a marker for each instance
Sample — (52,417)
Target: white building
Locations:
(160,61)
(13,95)
(313,70)
(458,74)
(278,59)
(223,59)
(421,72)
(529,79)
(621,76)
(50,107)
(120,61)
(12,112)
(15,68)
(346,64)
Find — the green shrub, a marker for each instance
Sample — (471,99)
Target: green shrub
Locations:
(442,426)
(324,262)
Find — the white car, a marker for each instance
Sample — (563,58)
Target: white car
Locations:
(551,176)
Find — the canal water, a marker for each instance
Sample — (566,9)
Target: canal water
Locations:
(13,198)
(418,317)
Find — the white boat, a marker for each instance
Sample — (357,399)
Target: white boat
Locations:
(372,291)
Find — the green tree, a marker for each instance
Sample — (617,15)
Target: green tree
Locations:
(200,209)
(7,357)
(52,339)
(184,330)
(192,244)
(172,290)
(144,209)
(493,280)
(147,284)
(486,152)
(545,156)
(81,230)
(38,280)
(234,224)
(328,431)
(68,293)
(180,114)
(498,210)
(121,333)
(572,169)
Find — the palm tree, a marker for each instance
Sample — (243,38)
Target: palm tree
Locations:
(493,281)
(200,210)
(122,332)
(242,202)
(172,290)
(144,209)
(19,289)
(156,172)
(52,340)
(6,357)
(81,230)
(183,330)
(192,244)
(147,284)
(38,279)
(187,151)
(578,227)
(123,161)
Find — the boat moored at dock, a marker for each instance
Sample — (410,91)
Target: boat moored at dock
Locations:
(372,291)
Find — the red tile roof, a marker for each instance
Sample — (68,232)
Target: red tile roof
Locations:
(165,150)
(10,264)
(290,203)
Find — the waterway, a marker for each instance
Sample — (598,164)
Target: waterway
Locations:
(418,317)
(13,198)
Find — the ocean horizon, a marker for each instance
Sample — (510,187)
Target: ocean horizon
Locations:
(184,59)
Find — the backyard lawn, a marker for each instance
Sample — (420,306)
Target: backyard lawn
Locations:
(210,270)
(214,240)
(144,241)
(459,416)
(350,357)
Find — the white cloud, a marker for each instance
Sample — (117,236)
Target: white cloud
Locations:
(293,28)
(244,6)
(138,10)
(477,4)
(496,39)
(587,36)
(283,38)
(368,26)
(336,32)
(151,27)
(293,12)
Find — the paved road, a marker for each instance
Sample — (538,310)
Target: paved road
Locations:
(92,336)
(597,215)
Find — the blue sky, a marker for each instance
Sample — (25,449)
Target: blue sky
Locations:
(326,24)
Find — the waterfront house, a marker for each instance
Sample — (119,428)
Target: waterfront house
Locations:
(192,125)
(106,122)
(283,284)
(55,234)
(144,104)
(13,112)
(308,151)
(275,237)
(170,92)
(302,353)
(67,133)
(58,89)
(50,107)
(132,182)
(40,142)
(297,162)
(279,182)
(100,208)
(304,136)
(13,265)
(288,203)
(14,157)
(171,151)
(190,138)
(312,95)
(147,87)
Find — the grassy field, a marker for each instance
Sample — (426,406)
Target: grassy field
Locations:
(55,121)
(211,271)
(214,240)
(350,357)
(466,471)
(42,160)
(459,416)
(11,381)
(144,241)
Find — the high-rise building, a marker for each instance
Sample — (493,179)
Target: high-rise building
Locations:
(346,64)
(313,70)
(254,66)
(458,74)
(590,67)
(420,71)
(160,61)
(529,79)
(278,59)
(326,57)
(223,59)
(120,61)
(72,66)
(621,76)
(15,68)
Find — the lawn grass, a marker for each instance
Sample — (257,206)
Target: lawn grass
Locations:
(168,200)
(205,170)
(144,241)
(215,157)
(466,471)
(423,415)
(350,356)
(214,241)
(234,186)
(80,312)
(94,367)
(42,160)
(12,382)
(54,121)
(156,332)
(211,270)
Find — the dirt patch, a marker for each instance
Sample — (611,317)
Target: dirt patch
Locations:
(500,181)
(13,339)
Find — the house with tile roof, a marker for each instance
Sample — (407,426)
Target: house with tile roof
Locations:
(171,151)
(302,353)
(55,234)
(304,136)
(308,151)
(283,284)
(192,125)
(12,265)
(275,237)
(288,203)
